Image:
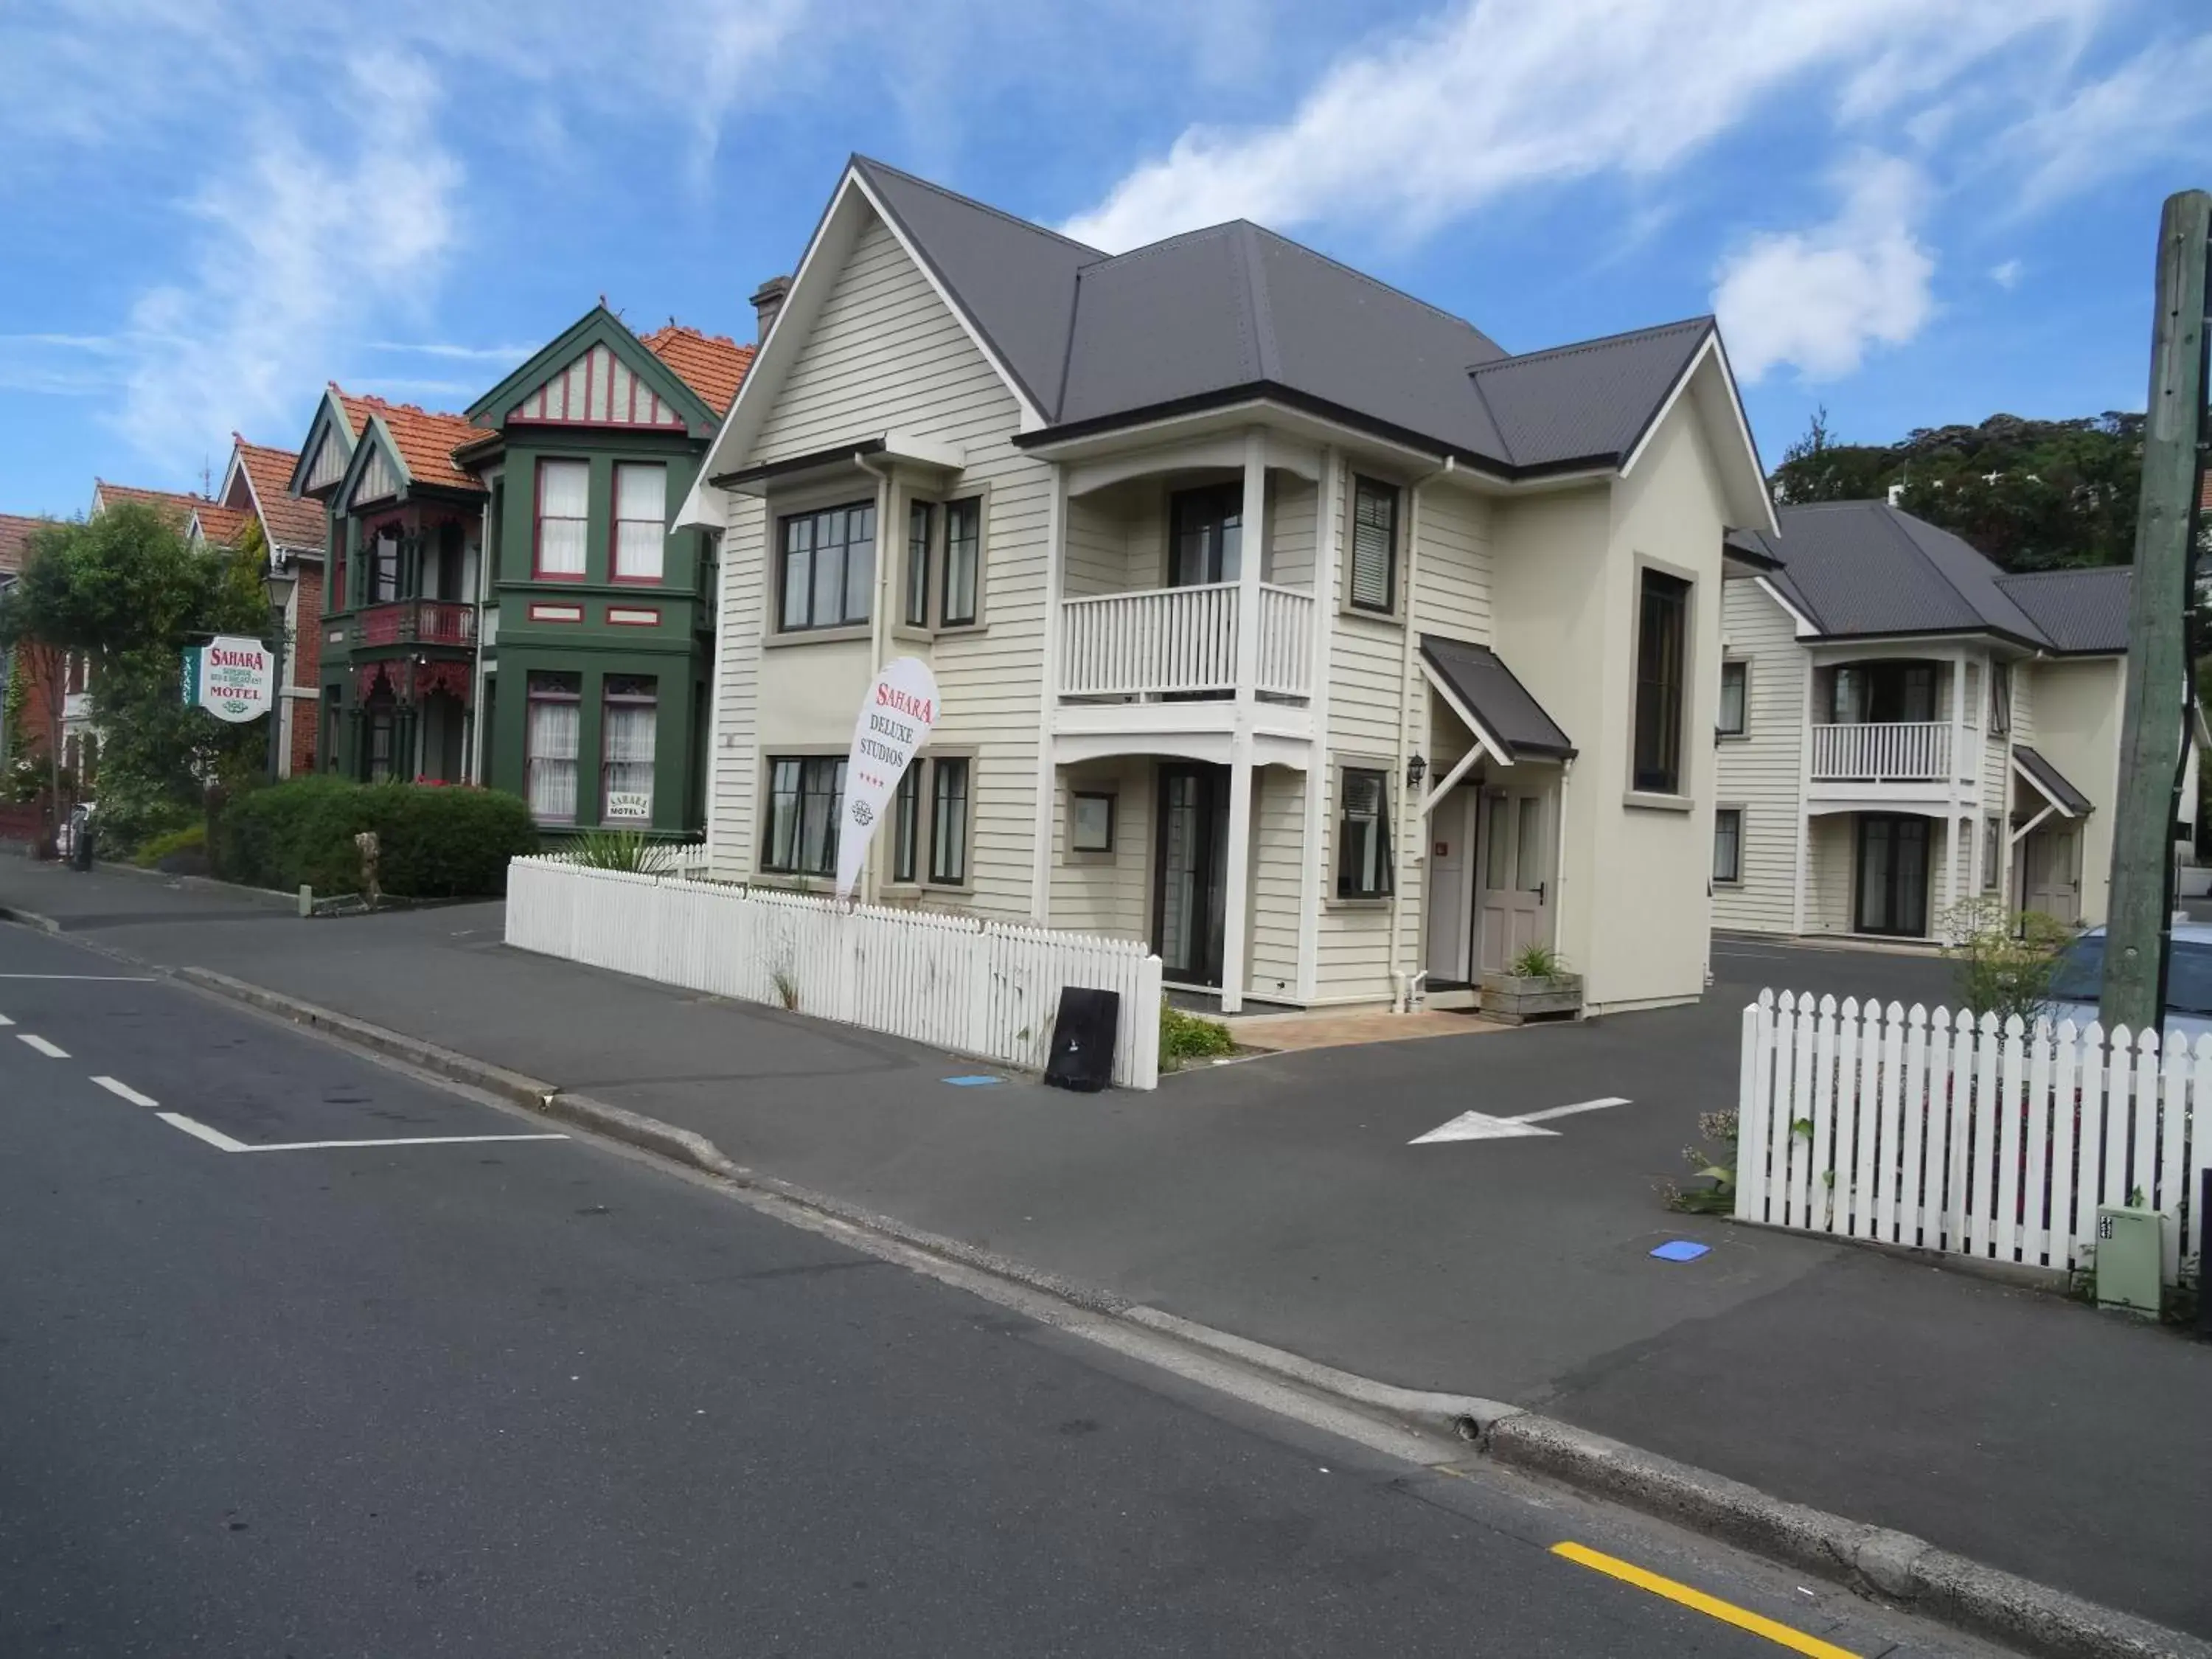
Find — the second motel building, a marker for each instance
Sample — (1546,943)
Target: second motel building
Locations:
(1279,620)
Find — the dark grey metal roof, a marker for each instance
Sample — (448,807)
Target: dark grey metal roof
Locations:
(2071,801)
(2084,610)
(1865,567)
(1481,681)
(1236,311)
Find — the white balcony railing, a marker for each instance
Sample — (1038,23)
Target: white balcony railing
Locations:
(1181,642)
(1889,752)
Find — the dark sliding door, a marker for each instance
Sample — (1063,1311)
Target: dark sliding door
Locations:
(1892,875)
(1190,872)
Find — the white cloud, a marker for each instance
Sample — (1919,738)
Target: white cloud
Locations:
(1495,95)
(2006,275)
(293,242)
(1819,299)
(464,354)
(2155,107)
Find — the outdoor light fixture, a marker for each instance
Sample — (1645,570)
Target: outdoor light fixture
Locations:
(1416,769)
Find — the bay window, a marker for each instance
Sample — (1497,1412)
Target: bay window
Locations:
(805,799)
(906,824)
(921,533)
(640,521)
(564,494)
(550,738)
(630,716)
(828,567)
(948,823)
(963,550)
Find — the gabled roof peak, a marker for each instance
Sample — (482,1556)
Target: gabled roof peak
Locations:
(869,164)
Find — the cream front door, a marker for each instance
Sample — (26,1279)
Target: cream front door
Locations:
(1451,899)
(2053,886)
(1516,856)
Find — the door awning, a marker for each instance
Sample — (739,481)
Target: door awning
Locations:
(2048,781)
(1495,706)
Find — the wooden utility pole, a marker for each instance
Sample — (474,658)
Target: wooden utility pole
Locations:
(2151,732)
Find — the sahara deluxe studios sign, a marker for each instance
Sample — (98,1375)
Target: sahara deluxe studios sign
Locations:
(234,679)
(895,718)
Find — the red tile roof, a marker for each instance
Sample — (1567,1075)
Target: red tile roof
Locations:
(15,538)
(288,520)
(174,506)
(222,525)
(712,365)
(426,438)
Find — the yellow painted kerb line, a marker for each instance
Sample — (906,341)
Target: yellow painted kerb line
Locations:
(1711,1606)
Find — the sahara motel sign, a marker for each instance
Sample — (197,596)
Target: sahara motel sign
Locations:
(234,679)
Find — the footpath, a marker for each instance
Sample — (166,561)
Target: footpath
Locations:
(1279,1198)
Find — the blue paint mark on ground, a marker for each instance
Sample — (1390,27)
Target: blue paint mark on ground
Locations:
(1680,1249)
(974,1082)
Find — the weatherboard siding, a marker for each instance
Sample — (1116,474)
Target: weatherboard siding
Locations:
(1279,806)
(1760,772)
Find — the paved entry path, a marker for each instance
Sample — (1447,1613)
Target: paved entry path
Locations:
(1284,1199)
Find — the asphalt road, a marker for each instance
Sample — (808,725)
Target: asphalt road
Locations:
(261,1393)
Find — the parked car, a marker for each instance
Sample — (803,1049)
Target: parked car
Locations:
(2080,980)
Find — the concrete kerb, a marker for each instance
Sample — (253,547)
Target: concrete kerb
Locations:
(29,919)
(1877,1561)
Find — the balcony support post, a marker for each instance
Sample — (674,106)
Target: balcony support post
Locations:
(1252,540)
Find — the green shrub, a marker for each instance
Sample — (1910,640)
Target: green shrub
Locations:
(2005,961)
(630,850)
(1538,962)
(433,842)
(1191,1036)
(193,838)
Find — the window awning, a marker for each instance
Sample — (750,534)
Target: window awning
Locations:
(2050,783)
(1496,707)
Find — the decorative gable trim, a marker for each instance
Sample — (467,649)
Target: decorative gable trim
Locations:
(596,389)
(329,448)
(377,473)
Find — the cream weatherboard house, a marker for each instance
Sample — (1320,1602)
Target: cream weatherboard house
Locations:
(1280,620)
(1903,725)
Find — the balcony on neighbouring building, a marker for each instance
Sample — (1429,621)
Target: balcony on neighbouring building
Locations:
(415,622)
(1882,752)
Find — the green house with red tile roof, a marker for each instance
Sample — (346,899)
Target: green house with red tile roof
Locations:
(529,538)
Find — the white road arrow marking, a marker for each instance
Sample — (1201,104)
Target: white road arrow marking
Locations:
(1481,1125)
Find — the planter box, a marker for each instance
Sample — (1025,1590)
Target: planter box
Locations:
(1512,998)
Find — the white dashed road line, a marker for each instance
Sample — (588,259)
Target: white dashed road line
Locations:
(125,1091)
(51,1051)
(224,1143)
(5,1022)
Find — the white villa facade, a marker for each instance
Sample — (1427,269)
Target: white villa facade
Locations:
(1279,621)
(1903,726)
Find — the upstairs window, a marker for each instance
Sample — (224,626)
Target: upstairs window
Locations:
(921,533)
(828,567)
(964,560)
(1363,835)
(384,566)
(640,521)
(2000,699)
(1662,643)
(1374,575)
(1736,684)
(564,496)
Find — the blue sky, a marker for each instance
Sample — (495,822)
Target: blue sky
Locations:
(1911,213)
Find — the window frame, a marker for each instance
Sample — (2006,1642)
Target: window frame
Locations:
(935,875)
(538,573)
(834,760)
(1992,852)
(1076,847)
(781,554)
(1212,505)
(978,502)
(1648,784)
(1383,772)
(1734,878)
(906,830)
(1353,604)
(2001,698)
(1739,668)
(533,694)
(616,522)
(610,699)
(914,579)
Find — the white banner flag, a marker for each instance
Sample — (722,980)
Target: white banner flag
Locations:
(894,723)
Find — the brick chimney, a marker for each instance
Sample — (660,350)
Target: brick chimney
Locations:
(767,299)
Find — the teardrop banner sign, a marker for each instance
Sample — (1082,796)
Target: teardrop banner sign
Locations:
(894,724)
(234,679)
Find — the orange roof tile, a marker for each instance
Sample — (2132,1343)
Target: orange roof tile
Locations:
(15,538)
(287,520)
(426,438)
(171,505)
(222,525)
(712,365)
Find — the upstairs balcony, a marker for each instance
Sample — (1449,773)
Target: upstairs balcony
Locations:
(448,622)
(1159,643)
(1902,760)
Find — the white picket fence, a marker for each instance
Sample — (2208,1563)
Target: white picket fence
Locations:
(1935,1130)
(986,988)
